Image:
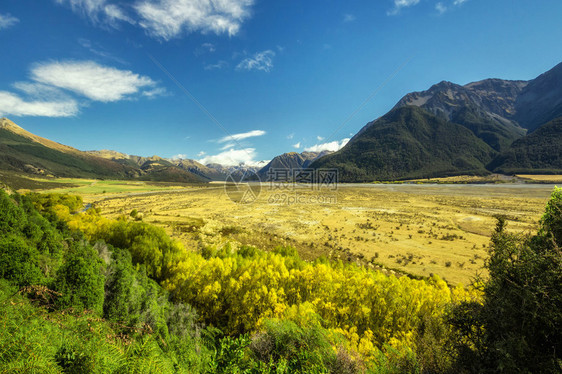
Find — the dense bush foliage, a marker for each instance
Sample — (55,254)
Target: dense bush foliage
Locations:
(517,328)
(121,296)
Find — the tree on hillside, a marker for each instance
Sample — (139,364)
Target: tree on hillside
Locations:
(518,327)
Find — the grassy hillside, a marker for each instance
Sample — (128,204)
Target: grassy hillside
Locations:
(538,152)
(409,143)
(19,153)
(23,152)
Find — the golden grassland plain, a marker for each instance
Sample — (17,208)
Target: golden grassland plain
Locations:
(541,178)
(419,229)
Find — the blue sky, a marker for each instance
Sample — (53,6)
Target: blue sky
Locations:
(245,80)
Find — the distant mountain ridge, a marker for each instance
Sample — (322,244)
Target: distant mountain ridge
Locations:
(24,152)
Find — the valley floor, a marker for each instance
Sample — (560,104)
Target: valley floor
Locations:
(419,229)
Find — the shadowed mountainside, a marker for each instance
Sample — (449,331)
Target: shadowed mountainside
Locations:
(409,143)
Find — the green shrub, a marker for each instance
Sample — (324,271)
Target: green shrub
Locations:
(12,217)
(73,360)
(80,279)
(290,348)
(19,262)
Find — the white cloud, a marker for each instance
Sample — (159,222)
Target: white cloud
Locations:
(260,61)
(240,136)
(114,13)
(209,47)
(6,20)
(291,136)
(167,19)
(98,11)
(232,157)
(94,81)
(227,146)
(40,91)
(201,154)
(99,51)
(330,146)
(319,138)
(297,146)
(348,18)
(179,156)
(440,7)
(205,48)
(158,91)
(219,65)
(12,104)
(399,4)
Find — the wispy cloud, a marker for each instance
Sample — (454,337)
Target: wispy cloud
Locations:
(94,81)
(167,19)
(232,157)
(348,18)
(241,136)
(99,51)
(297,146)
(98,11)
(336,145)
(260,61)
(319,138)
(218,66)
(228,146)
(291,136)
(40,91)
(12,104)
(205,48)
(443,7)
(155,92)
(209,47)
(7,20)
(179,156)
(399,4)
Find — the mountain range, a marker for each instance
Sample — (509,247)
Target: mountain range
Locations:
(494,125)
(421,136)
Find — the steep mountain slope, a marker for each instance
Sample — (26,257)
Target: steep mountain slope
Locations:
(409,142)
(21,151)
(290,161)
(486,108)
(539,152)
(541,100)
